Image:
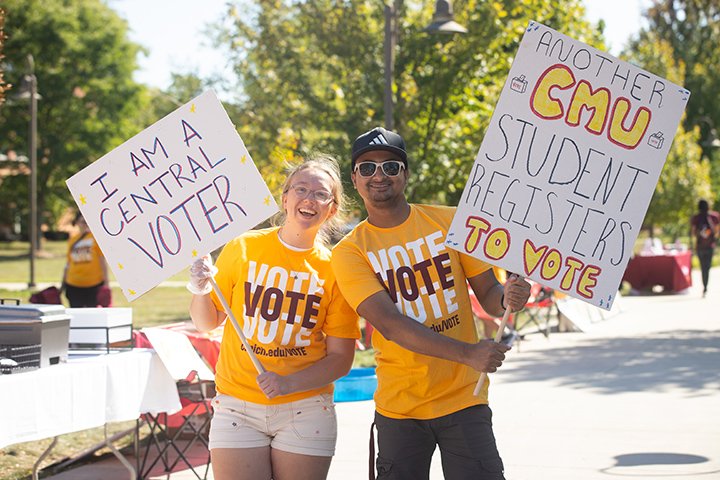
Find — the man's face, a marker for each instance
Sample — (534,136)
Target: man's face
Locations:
(379,188)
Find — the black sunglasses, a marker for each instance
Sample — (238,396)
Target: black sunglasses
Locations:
(390,168)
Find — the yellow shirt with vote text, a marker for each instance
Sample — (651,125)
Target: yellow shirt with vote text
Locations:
(286,301)
(427,282)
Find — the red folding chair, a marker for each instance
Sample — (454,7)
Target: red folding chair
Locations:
(196,388)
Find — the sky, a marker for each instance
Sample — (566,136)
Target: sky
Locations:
(173,33)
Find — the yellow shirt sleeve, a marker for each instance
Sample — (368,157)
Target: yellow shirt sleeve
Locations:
(353,272)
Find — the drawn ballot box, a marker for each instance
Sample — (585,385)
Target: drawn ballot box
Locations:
(656,140)
(518,84)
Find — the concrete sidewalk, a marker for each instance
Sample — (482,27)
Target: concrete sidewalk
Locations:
(636,396)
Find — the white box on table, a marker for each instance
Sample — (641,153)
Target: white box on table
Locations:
(101,326)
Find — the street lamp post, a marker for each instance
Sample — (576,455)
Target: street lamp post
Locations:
(389,45)
(31,82)
(443,22)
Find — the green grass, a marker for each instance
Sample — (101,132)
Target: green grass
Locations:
(16,461)
(15,262)
(159,306)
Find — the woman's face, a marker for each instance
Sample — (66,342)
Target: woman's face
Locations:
(309,200)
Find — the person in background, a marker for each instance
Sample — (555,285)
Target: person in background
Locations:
(86,272)
(705,229)
(396,271)
(279,284)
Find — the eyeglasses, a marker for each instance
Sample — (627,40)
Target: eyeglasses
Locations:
(390,168)
(320,196)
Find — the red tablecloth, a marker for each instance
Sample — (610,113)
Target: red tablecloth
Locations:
(672,271)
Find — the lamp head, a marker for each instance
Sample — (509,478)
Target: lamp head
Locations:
(443,20)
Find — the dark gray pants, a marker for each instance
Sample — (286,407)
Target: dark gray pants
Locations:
(466,441)
(705,256)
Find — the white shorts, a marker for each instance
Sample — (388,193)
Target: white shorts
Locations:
(305,427)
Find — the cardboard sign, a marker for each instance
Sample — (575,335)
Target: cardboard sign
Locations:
(177,190)
(568,166)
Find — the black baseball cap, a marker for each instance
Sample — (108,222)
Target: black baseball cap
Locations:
(379,139)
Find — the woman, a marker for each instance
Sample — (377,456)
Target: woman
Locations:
(705,226)
(86,272)
(278,282)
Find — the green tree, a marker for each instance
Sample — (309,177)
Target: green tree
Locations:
(685,176)
(84,64)
(159,103)
(692,28)
(312,77)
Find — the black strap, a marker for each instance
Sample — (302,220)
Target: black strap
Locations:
(371,466)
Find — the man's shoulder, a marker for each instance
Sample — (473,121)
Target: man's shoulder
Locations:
(439,213)
(352,236)
(439,209)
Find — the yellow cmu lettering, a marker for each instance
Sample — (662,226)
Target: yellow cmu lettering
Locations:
(618,134)
(542,102)
(598,101)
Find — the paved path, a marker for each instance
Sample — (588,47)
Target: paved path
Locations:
(638,395)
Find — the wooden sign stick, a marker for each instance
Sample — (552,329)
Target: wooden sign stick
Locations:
(498,336)
(243,339)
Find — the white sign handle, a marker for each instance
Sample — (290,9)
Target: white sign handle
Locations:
(498,336)
(243,339)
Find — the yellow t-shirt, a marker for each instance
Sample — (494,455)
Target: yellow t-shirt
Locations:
(84,259)
(286,302)
(427,282)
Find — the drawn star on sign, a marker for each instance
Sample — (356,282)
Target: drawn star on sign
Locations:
(243,159)
(121,266)
(83,199)
(267,200)
(194,253)
(192,108)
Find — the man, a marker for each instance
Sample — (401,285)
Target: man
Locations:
(396,271)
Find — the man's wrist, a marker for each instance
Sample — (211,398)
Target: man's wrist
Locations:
(502,302)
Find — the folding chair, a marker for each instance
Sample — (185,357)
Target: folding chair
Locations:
(196,388)
(539,305)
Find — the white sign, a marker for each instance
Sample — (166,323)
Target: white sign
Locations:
(177,190)
(568,166)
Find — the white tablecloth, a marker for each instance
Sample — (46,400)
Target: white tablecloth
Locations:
(88,391)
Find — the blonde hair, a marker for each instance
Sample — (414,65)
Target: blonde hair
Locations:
(328,165)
